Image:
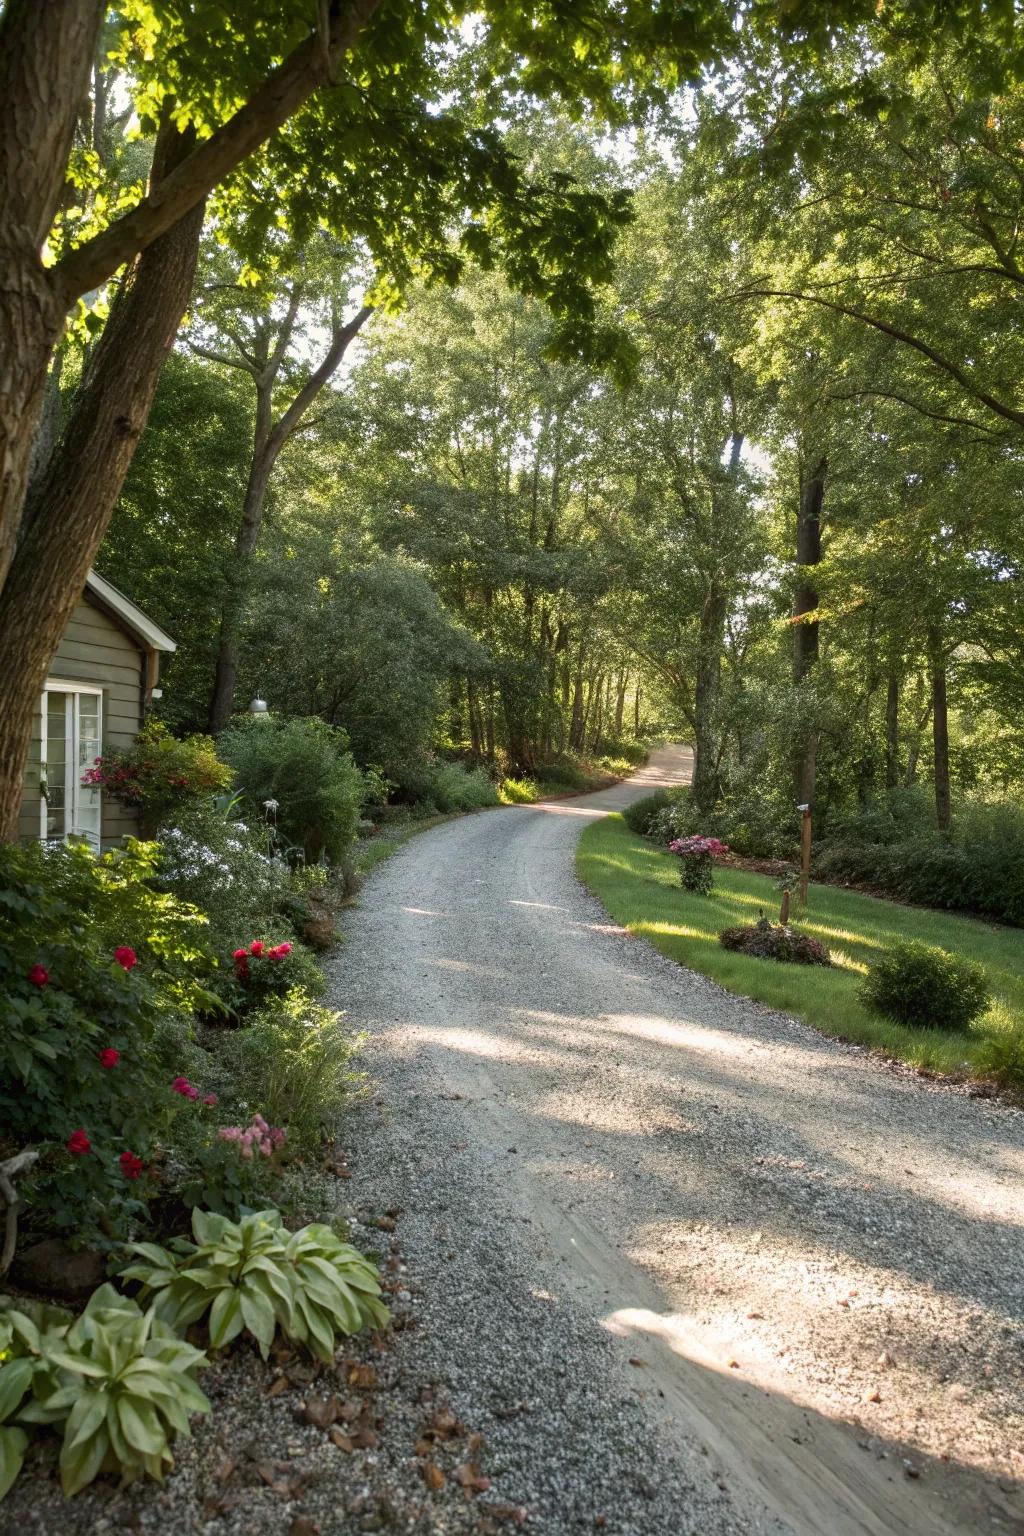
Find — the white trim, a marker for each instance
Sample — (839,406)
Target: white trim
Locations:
(126,610)
(72,777)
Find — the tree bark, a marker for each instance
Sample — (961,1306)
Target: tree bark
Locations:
(62,526)
(940,730)
(620,702)
(46,54)
(805,632)
(892,725)
(706,689)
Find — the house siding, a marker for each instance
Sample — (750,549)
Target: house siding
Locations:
(95,649)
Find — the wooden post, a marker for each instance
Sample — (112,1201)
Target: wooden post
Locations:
(805,852)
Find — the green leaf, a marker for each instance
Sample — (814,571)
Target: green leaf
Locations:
(140,1425)
(259,1317)
(85,1417)
(15,1378)
(225,1318)
(13,1442)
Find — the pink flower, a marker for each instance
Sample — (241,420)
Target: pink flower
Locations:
(260,1124)
(277,1136)
(245,1142)
(230,1133)
(184,1087)
(131,1166)
(39,976)
(256,947)
(210,1099)
(240,954)
(78,1143)
(126,956)
(280,951)
(109,1058)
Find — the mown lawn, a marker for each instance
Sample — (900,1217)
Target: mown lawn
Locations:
(639,885)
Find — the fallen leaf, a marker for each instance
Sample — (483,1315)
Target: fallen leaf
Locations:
(225,1470)
(636,1360)
(474,1444)
(432,1476)
(362,1376)
(445,1425)
(341,1440)
(270,1472)
(365,1438)
(321,1411)
(515,1513)
(277,1386)
(302,1525)
(874,1396)
(350,1410)
(469,1476)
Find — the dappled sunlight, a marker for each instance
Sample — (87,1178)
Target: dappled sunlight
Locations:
(476,1042)
(424,912)
(542,906)
(466,967)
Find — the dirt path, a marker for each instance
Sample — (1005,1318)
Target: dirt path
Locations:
(800,1270)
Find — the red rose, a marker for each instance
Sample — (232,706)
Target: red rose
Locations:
(280,952)
(126,956)
(256,948)
(39,976)
(109,1057)
(240,954)
(131,1166)
(78,1143)
(184,1087)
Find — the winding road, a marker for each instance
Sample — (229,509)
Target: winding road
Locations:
(800,1269)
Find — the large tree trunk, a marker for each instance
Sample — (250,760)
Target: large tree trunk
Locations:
(805,631)
(46,53)
(62,527)
(940,731)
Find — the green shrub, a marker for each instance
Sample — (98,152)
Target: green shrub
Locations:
(301,774)
(269,968)
(1000,1056)
(926,987)
(91,1031)
(641,813)
(519,791)
(293,1062)
(118,1380)
(159,774)
(254,1275)
(209,1164)
(453,787)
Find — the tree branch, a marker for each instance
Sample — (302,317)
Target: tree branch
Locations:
(945,364)
(318,378)
(284,91)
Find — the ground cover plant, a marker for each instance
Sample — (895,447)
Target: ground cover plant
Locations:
(638,883)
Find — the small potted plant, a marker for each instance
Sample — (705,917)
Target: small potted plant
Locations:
(697,854)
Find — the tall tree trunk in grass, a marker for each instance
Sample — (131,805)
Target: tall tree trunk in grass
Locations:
(940,729)
(805,631)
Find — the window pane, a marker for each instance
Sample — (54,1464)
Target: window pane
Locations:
(56,764)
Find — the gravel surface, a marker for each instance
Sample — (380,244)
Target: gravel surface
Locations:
(685,1267)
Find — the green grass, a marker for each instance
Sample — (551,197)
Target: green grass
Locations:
(639,884)
(374,850)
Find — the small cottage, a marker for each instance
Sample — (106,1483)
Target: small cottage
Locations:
(101,682)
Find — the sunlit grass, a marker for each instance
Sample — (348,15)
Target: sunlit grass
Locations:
(639,885)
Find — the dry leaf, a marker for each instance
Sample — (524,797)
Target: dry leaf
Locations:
(302,1525)
(362,1376)
(432,1476)
(874,1396)
(277,1386)
(341,1440)
(225,1470)
(365,1438)
(470,1478)
(445,1425)
(514,1513)
(423,1447)
(321,1411)
(636,1360)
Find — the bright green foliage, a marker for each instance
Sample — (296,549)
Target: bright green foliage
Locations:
(293,1062)
(118,1380)
(255,1276)
(67,1002)
(452,787)
(926,987)
(160,773)
(304,769)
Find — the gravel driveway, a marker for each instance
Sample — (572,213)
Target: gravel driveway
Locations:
(686,1264)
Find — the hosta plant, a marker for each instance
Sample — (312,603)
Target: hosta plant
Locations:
(255,1275)
(118,1379)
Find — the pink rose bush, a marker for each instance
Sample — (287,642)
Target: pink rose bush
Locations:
(257,1136)
(698,854)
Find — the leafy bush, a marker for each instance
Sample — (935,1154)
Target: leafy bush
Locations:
(775,941)
(697,857)
(926,987)
(639,816)
(91,1032)
(119,1381)
(519,791)
(224,867)
(265,969)
(294,1061)
(160,773)
(453,787)
(254,1275)
(208,1164)
(301,772)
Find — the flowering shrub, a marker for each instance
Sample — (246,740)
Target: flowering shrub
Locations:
(90,1030)
(263,970)
(255,1137)
(159,773)
(698,854)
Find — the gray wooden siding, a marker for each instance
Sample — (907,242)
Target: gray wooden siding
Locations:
(95,650)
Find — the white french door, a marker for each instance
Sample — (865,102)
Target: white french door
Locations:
(72,740)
